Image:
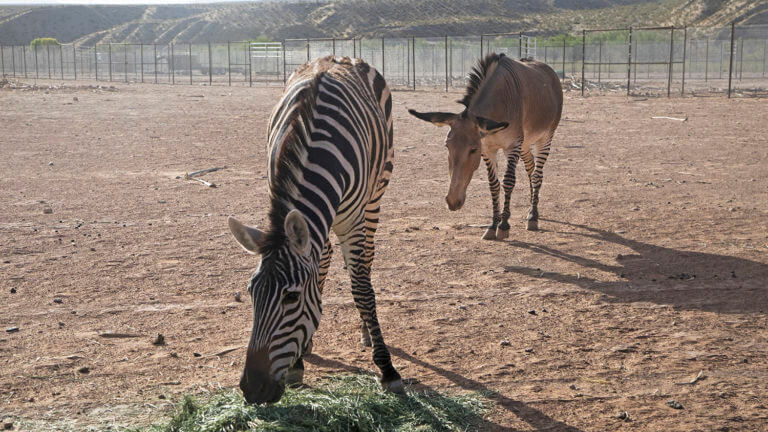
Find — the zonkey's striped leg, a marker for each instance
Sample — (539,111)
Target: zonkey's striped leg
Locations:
(513,155)
(493,182)
(536,179)
(358,250)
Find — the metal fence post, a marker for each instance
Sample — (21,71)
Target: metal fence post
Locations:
(765,50)
(285,72)
(74,60)
(172,66)
(333,45)
(189,51)
(61,61)
(229,63)
(13,59)
(37,69)
(583,52)
(307,49)
(110,61)
(685,48)
(481,47)
(671,54)
(599,61)
(125,62)
(141,60)
(520,46)
(2,59)
(48,59)
(95,60)
(446,63)
(413,49)
(24,60)
(382,58)
(706,61)
(629,62)
(210,66)
(250,66)
(565,36)
(730,59)
(154,55)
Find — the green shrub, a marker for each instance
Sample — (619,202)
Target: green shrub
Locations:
(43,42)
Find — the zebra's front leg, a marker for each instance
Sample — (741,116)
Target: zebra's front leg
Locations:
(322,272)
(358,254)
(513,155)
(493,182)
(294,376)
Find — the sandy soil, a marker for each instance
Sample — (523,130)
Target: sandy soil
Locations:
(650,265)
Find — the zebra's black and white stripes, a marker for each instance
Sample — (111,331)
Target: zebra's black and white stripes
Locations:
(330,160)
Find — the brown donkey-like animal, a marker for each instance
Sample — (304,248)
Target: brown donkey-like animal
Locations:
(510,105)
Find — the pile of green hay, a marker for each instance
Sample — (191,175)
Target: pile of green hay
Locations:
(336,403)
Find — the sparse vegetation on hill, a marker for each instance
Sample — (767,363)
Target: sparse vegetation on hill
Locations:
(277,20)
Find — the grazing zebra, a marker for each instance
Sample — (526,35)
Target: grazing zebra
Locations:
(330,160)
(509,105)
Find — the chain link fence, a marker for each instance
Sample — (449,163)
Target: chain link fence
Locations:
(657,61)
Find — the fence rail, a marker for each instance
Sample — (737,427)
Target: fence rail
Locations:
(656,60)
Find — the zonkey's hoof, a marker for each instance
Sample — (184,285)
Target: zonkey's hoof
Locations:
(501,234)
(490,234)
(533,225)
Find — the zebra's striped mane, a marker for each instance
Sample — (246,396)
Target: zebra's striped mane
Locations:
(289,164)
(477,75)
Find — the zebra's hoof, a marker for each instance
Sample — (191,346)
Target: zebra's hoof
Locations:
(365,341)
(501,234)
(395,386)
(294,377)
(490,234)
(533,225)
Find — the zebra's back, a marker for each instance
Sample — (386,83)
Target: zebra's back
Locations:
(336,115)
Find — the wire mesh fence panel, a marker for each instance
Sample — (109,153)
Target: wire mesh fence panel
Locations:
(653,61)
(297,52)
(463,54)
(370,50)
(431,62)
(397,62)
(749,61)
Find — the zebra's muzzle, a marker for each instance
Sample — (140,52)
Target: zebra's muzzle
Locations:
(259,387)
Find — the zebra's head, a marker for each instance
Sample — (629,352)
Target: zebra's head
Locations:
(286,305)
(464,147)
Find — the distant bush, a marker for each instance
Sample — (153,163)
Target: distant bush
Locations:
(44,42)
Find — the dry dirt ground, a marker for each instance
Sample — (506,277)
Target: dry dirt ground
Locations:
(651,263)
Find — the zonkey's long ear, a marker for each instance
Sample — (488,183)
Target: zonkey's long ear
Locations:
(251,239)
(488,127)
(297,231)
(437,118)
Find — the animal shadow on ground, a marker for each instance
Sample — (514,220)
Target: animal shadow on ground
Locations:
(661,275)
(532,416)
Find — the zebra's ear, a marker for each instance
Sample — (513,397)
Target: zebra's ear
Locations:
(251,239)
(488,127)
(436,118)
(297,231)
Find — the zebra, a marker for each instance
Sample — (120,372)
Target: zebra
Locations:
(330,160)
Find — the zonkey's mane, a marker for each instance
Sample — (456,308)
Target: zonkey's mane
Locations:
(477,75)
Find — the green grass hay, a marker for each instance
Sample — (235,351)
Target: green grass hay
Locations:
(336,403)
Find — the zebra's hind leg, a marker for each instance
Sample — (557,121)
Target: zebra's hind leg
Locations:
(357,247)
(536,179)
(493,183)
(294,376)
(513,155)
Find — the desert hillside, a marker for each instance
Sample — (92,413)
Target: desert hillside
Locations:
(277,20)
